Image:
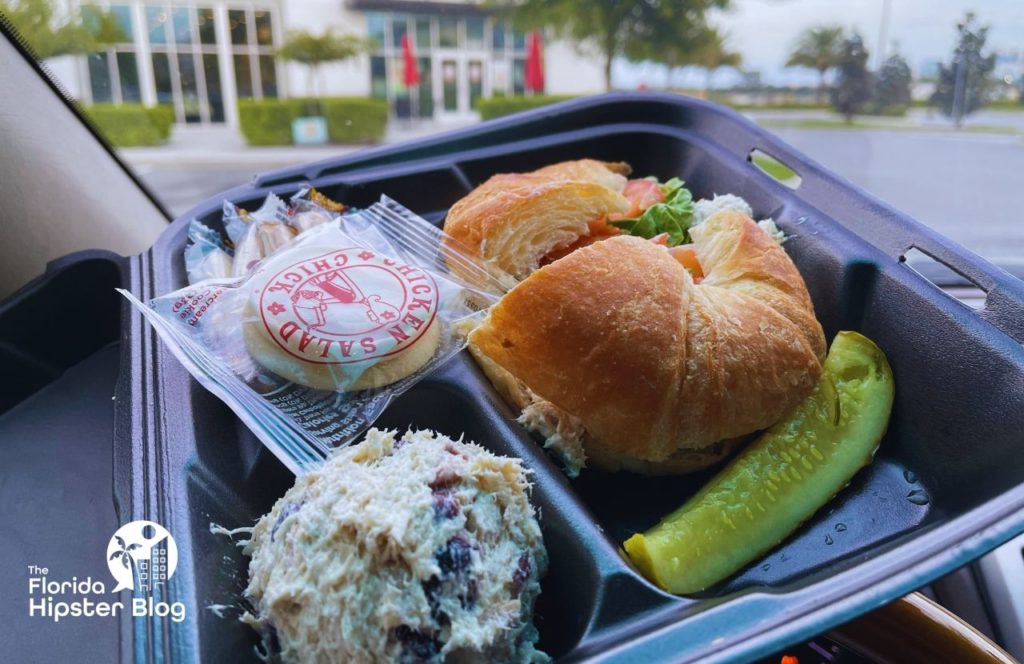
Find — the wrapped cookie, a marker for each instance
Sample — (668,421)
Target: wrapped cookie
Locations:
(310,346)
(258,234)
(206,257)
(310,208)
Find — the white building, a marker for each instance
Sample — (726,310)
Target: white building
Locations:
(201,57)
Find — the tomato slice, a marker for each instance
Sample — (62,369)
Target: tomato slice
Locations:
(687,257)
(660,239)
(641,195)
(599,229)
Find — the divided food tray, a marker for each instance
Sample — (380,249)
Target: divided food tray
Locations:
(946,486)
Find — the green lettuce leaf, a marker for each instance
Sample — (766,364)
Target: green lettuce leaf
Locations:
(674,216)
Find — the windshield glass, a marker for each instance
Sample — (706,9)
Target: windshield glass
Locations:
(918,102)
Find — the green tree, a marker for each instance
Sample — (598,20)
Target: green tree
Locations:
(315,50)
(610,28)
(713,54)
(892,90)
(964,84)
(818,48)
(853,83)
(50,34)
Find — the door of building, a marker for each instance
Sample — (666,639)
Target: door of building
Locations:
(458,81)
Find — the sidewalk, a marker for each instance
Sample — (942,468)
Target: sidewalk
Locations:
(917,119)
(220,146)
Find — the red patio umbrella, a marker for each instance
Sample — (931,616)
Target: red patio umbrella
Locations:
(534,63)
(412,70)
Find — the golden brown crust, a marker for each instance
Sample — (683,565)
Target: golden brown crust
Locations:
(611,174)
(513,220)
(618,335)
(681,462)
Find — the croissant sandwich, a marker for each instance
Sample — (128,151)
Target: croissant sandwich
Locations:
(622,350)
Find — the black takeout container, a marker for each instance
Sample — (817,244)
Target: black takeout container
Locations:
(946,486)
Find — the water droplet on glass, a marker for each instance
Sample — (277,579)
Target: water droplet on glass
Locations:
(840,527)
(909,476)
(918,497)
(828,540)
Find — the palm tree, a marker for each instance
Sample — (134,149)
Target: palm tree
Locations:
(124,553)
(713,54)
(818,48)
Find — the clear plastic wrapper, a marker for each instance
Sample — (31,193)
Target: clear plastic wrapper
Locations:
(309,208)
(258,234)
(311,346)
(255,235)
(206,257)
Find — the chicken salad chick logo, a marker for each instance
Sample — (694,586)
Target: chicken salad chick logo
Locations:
(141,556)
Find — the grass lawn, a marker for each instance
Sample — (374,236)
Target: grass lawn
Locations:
(828,123)
(775,168)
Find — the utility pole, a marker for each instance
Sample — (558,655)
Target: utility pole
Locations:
(959,87)
(883,34)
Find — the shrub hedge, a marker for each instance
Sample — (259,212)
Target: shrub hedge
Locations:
(132,125)
(495,107)
(266,122)
(349,119)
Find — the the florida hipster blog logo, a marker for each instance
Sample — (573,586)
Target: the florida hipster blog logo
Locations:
(141,556)
(347,306)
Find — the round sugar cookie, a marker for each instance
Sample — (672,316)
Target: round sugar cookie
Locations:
(341,319)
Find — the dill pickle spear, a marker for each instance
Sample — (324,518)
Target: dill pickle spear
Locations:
(779,480)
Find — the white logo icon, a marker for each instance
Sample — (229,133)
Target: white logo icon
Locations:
(141,555)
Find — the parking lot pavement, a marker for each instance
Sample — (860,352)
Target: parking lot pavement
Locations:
(965,185)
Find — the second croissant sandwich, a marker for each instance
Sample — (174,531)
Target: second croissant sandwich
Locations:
(639,360)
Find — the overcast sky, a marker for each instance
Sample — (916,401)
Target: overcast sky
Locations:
(922,30)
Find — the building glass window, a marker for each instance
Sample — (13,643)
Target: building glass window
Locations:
(162,78)
(449,85)
(498,36)
(423,40)
(238,26)
(214,94)
(99,78)
(156,18)
(399,27)
(128,76)
(189,87)
(123,14)
(426,96)
(185,55)
(243,76)
(475,32)
(268,75)
(181,18)
(378,77)
(207,31)
(252,52)
(264,31)
(375,28)
(448,33)
(449,82)
(476,82)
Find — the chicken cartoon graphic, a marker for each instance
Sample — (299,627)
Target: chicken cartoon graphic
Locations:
(336,289)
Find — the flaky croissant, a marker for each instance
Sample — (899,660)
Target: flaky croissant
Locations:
(513,220)
(655,367)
